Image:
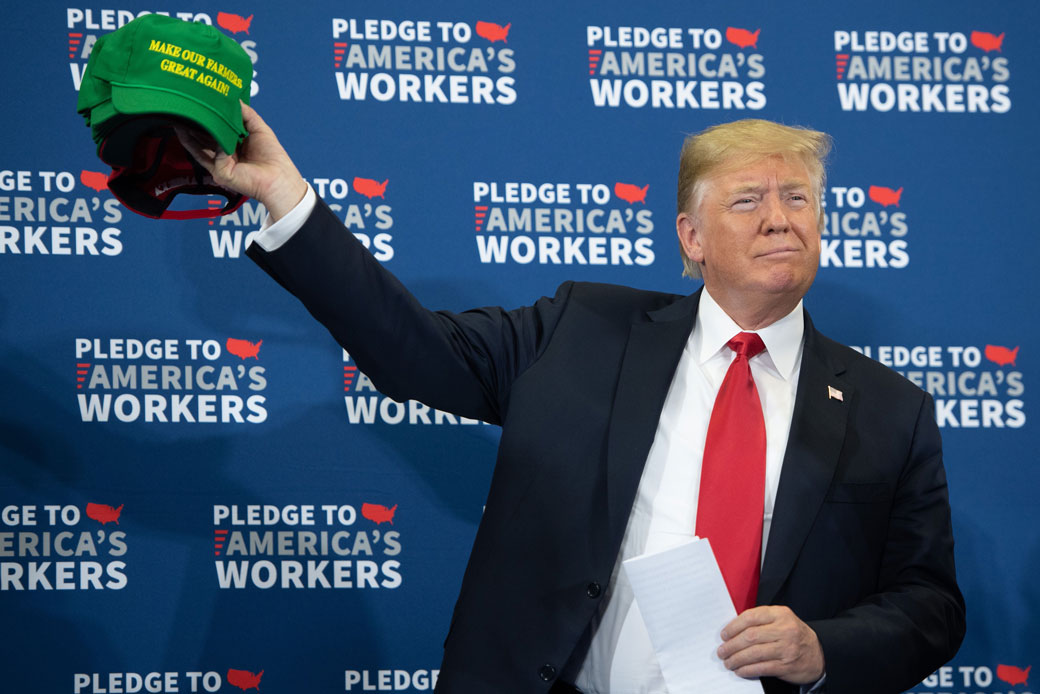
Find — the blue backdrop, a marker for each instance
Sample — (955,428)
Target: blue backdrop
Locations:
(198,488)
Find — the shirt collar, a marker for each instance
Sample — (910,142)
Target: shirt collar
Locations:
(783,339)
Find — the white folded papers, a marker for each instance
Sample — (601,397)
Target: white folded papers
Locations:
(684,603)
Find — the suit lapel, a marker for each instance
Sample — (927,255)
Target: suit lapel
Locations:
(813,446)
(647,368)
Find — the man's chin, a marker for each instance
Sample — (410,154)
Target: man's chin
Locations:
(786,283)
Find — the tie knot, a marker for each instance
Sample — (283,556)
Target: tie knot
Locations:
(746,344)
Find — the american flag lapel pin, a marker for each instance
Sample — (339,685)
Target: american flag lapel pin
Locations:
(834,394)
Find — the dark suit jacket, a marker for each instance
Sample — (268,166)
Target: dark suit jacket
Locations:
(860,546)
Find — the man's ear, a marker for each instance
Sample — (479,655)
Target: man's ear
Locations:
(689,238)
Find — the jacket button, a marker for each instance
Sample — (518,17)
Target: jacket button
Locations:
(593,590)
(547,672)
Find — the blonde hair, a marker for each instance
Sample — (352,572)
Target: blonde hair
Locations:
(745,142)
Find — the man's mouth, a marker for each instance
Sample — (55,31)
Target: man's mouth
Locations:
(777,252)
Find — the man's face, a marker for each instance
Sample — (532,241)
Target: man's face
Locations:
(754,233)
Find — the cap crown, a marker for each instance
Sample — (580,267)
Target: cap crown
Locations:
(159,64)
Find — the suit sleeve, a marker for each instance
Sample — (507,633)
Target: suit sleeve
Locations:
(462,363)
(915,621)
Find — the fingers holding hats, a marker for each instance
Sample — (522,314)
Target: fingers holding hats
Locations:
(201,146)
(260,168)
(207,152)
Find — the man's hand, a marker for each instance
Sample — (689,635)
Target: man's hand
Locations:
(260,168)
(770,641)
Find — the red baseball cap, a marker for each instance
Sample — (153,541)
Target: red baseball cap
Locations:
(150,168)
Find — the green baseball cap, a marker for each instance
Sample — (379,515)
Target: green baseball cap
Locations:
(163,65)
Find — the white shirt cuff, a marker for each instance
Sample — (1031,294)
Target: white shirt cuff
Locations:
(273,235)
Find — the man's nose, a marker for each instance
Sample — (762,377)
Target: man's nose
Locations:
(774,215)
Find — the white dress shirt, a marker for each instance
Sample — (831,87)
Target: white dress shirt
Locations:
(620,658)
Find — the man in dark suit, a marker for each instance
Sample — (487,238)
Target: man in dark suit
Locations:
(604,395)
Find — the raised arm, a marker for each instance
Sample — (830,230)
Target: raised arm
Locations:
(462,363)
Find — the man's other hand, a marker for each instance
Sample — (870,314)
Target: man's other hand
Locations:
(260,168)
(770,641)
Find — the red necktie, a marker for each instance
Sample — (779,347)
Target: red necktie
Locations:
(733,476)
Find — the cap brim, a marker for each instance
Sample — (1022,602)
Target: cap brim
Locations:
(101,114)
(92,92)
(132,99)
